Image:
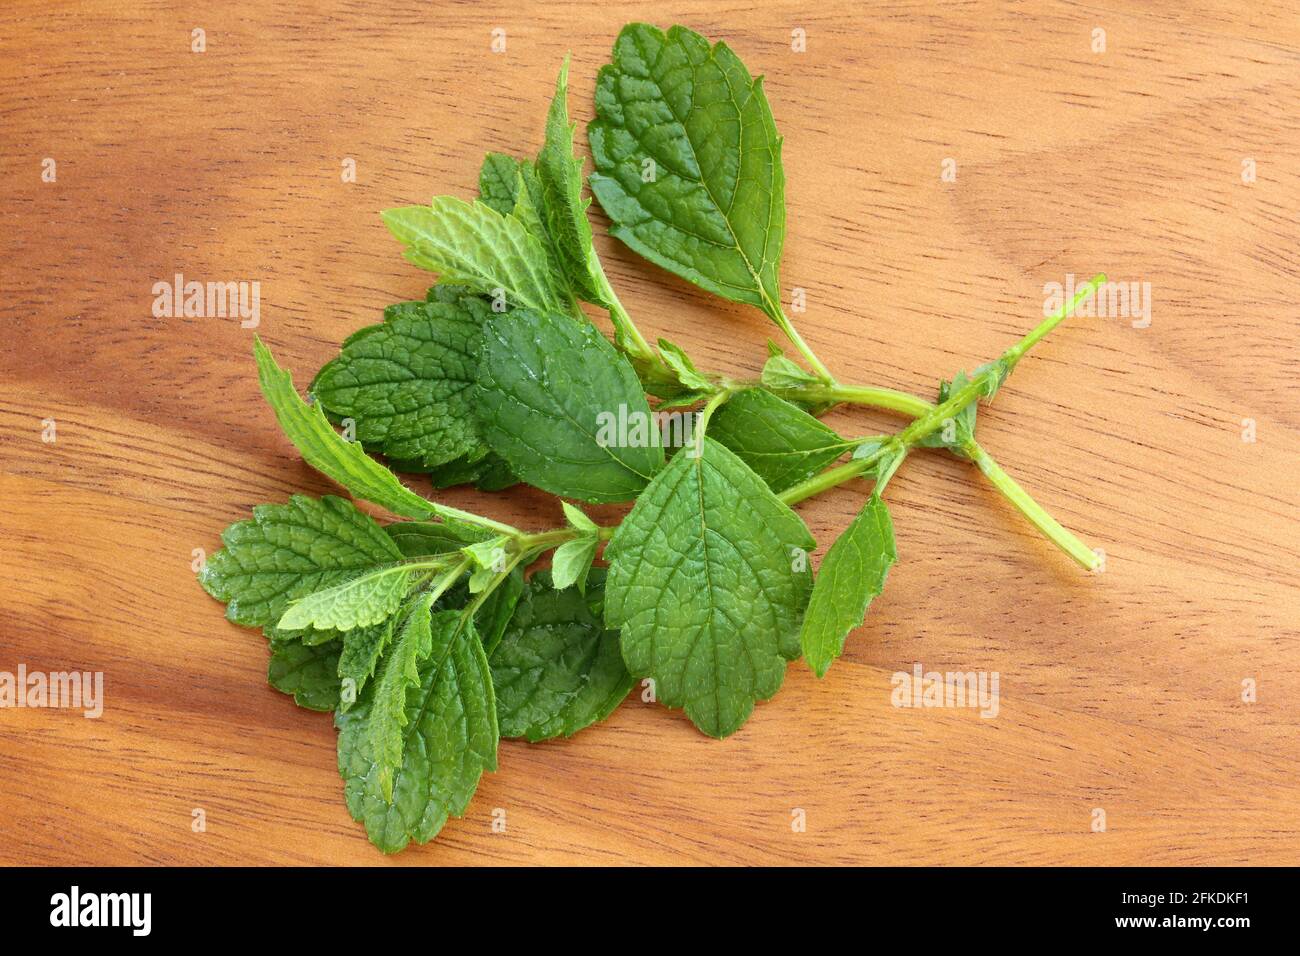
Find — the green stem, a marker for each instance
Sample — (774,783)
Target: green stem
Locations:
(1037,515)
(627,335)
(472,607)
(466,517)
(543,540)
(1013,354)
(886,398)
(706,413)
(778,316)
(450,578)
(831,477)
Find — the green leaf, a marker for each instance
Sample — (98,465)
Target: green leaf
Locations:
(481,579)
(781,372)
(703,583)
(493,615)
(687,374)
(449,739)
(565,211)
(362,648)
(852,573)
(688,162)
(488,473)
(548,389)
(558,669)
(488,554)
(401,671)
(472,244)
(530,210)
(783,444)
(326,451)
(417,539)
(578,519)
(308,672)
(367,599)
(498,182)
(572,560)
(289,551)
(408,383)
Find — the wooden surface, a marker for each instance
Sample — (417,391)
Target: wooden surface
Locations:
(1121,691)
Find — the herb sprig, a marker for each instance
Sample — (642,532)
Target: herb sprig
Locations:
(423,636)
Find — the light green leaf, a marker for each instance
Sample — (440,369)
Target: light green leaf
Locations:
(490,553)
(549,389)
(781,372)
(565,211)
(449,739)
(367,599)
(558,669)
(852,573)
(326,451)
(577,518)
(688,162)
(289,551)
(401,670)
(308,672)
(782,443)
(408,383)
(481,579)
(571,562)
(703,584)
(687,374)
(474,245)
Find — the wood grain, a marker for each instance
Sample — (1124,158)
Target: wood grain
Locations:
(1121,691)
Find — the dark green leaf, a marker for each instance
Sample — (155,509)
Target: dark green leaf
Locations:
(688,162)
(498,181)
(703,584)
(558,669)
(308,672)
(493,615)
(408,383)
(783,444)
(565,211)
(547,387)
(362,648)
(449,739)
(420,538)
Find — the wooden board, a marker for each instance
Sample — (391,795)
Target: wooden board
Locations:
(1120,692)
